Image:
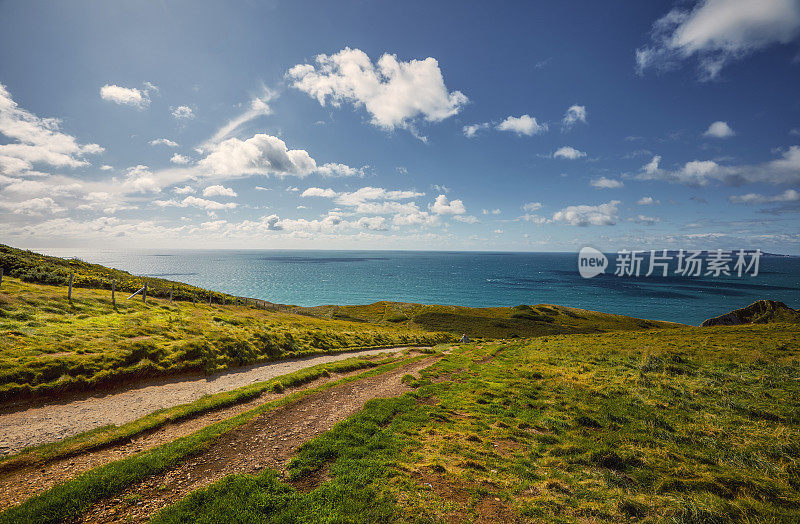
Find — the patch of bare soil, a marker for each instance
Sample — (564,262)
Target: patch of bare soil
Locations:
(487,508)
(19,484)
(267,441)
(39,421)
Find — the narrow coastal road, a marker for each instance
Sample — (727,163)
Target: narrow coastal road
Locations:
(51,421)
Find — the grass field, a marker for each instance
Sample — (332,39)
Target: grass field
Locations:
(48,344)
(685,425)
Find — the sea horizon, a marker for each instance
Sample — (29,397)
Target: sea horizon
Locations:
(305,277)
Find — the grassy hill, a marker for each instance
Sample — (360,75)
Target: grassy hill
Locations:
(48,344)
(491,322)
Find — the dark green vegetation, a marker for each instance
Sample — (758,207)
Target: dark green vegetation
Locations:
(48,344)
(489,322)
(67,501)
(759,312)
(682,425)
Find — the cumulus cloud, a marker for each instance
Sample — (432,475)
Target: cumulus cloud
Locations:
(719,129)
(185,190)
(471,130)
(443,206)
(182,113)
(569,153)
(536,219)
(790,195)
(163,142)
(531,206)
(319,192)
(129,96)
(585,215)
(260,155)
(333,170)
(218,190)
(574,115)
(647,201)
(33,206)
(492,212)
(180,159)
(606,183)
(193,201)
(467,219)
(783,170)
(395,93)
(522,125)
(35,140)
(718,31)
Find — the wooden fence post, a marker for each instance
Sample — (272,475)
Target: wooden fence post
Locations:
(69,292)
(1,276)
(144,293)
(114,293)
(194,299)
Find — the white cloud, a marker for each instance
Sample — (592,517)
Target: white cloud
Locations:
(536,219)
(441,206)
(498,231)
(783,170)
(472,129)
(647,201)
(522,125)
(394,93)
(163,141)
(219,191)
(33,206)
(332,170)
(492,212)
(259,106)
(180,159)
(262,188)
(569,153)
(573,115)
(261,154)
(531,206)
(606,183)
(129,96)
(182,113)
(319,192)
(718,31)
(35,140)
(106,167)
(643,219)
(719,129)
(193,201)
(468,219)
(185,190)
(585,215)
(790,195)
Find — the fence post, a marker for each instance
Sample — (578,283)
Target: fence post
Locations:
(144,293)
(69,292)
(114,293)
(1,276)
(194,299)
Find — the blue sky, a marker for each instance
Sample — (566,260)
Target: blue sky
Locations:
(401,125)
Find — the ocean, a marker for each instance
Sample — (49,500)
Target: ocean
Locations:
(477,279)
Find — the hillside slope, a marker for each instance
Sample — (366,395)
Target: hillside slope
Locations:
(759,312)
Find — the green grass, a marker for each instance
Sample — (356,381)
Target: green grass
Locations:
(679,425)
(48,344)
(68,500)
(491,322)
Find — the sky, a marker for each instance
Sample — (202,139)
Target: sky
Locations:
(516,126)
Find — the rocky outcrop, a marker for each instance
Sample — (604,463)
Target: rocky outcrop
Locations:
(759,312)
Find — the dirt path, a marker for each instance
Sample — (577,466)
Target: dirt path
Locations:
(267,441)
(19,484)
(29,424)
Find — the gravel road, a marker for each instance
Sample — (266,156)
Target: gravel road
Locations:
(54,420)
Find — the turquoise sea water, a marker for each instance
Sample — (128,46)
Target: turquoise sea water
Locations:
(310,278)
